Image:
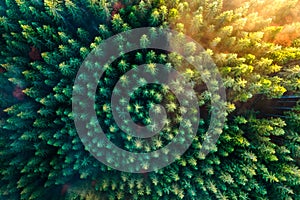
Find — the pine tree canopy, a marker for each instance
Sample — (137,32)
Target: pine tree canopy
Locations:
(254,45)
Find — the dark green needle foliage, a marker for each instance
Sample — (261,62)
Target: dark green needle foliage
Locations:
(43,44)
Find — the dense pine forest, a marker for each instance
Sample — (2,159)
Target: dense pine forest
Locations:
(255,46)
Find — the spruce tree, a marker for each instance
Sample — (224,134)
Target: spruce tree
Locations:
(256,49)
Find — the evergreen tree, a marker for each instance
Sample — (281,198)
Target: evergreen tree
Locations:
(43,45)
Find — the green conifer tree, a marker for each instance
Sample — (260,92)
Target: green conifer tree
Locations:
(42,47)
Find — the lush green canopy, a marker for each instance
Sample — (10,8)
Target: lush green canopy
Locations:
(256,47)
